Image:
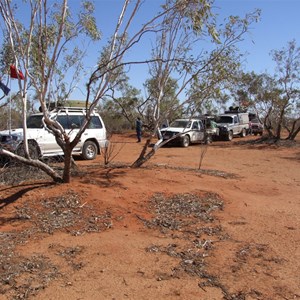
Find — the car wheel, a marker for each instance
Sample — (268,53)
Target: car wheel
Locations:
(185,141)
(33,151)
(229,135)
(243,133)
(89,150)
(209,139)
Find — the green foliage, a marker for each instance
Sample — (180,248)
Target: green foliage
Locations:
(204,78)
(275,98)
(88,21)
(209,87)
(194,13)
(52,55)
(169,102)
(288,80)
(13,113)
(120,113)
(6,56)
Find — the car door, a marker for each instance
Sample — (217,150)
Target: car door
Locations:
(75,122)
(47,141)
(236,126)
(194,131)
(201,131)
(96,130)
(197,132)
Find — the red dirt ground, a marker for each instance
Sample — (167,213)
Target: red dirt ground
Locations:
(253,252)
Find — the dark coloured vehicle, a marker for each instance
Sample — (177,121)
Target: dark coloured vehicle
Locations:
(211,127)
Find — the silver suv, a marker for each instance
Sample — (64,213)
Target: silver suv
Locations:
(42,142)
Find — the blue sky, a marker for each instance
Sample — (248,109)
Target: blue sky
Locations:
(280,23)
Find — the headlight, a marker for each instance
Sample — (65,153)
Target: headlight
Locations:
(10,142)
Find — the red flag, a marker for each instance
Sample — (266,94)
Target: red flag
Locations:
(15,74)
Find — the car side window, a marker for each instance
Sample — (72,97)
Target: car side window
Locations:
(35,122)
(201,126)
(75,121)
(195,125)
(95,123)
(63,120)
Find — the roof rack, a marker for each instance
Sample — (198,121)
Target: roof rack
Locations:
(73,109)
(235,109)
(68,109)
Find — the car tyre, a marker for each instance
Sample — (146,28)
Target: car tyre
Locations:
(243,132)
(33,151)
(185,141)
(230,136)
(89,150)
(208,139)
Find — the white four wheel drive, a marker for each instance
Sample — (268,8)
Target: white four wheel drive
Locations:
(42,142)
(233,123)
(185,132)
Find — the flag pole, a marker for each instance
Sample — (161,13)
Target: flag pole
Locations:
(9,125)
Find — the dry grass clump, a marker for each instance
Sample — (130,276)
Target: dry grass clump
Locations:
(22,277)
(183,211)
(13,174)
(189,219)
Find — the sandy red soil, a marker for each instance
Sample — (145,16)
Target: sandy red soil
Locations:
(254,254)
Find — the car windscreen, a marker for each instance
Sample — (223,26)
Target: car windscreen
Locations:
(224,119)
(35,121)
(181,124)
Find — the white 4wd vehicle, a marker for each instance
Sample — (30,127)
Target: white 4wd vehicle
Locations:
(185,132)
(42,142)
(233,124)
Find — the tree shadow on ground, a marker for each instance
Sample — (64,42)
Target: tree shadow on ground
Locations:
(104,178)
(14,197)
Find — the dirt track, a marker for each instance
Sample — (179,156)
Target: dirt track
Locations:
(231,233)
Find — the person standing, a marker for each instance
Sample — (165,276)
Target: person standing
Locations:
(138,127)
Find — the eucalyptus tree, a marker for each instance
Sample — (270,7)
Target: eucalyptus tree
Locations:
(120,111)
(288,78)
(275,98)
(42,47)
(260,93)
(120,100)
(182,52)
(168,101)
(40,43)
(43,41)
